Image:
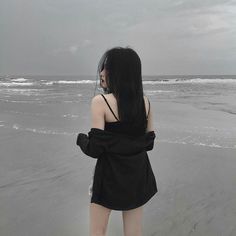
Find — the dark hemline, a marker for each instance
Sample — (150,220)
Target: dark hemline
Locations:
(123,209)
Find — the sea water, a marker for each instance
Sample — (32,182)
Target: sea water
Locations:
(190,109)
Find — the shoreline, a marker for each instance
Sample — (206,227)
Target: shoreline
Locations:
(47,178)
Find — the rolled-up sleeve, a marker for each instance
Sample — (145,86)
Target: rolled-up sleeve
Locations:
(91,145)
(150,140)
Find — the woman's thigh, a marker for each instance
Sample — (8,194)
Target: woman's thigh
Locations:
(132,221)
(99,216)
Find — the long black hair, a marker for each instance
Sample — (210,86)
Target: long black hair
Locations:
(124,80)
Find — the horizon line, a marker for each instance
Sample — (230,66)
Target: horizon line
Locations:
(96,75)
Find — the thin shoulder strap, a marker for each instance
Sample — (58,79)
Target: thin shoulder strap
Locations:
(109,106)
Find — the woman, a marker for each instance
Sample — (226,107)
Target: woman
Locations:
(120,120)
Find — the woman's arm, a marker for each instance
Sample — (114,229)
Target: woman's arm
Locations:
(150,125)
(89,144)
(150,128)
(97,112)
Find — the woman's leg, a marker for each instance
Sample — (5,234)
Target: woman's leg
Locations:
(132,222)
(99,216)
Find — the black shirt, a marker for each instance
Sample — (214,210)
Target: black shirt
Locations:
(123,177)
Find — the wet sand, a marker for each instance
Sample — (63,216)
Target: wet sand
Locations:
(44,176)
(44,188)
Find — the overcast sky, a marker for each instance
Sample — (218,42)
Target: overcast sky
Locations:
(68,37)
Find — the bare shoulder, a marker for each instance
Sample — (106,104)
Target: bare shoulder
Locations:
(97,106)
(97,99)
(97,103)
(97,112)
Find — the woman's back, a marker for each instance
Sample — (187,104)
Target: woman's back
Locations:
(112,121)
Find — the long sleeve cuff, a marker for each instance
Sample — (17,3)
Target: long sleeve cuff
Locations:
(89,145)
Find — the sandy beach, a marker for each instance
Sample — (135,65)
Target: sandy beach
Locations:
(44,176)
(47,195)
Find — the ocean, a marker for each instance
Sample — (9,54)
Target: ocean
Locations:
(54,104)
(45,177)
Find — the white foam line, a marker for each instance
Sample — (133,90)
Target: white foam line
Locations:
(48,131)
(39,131)
(213,145)
(19,79)
(15,101)
(75,81)
(192,81)
(16,84)
(41,114)
(70,82)
(159,91)
(71,115)
(185,138)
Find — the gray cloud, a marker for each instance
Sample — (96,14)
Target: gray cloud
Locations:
(69,36)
